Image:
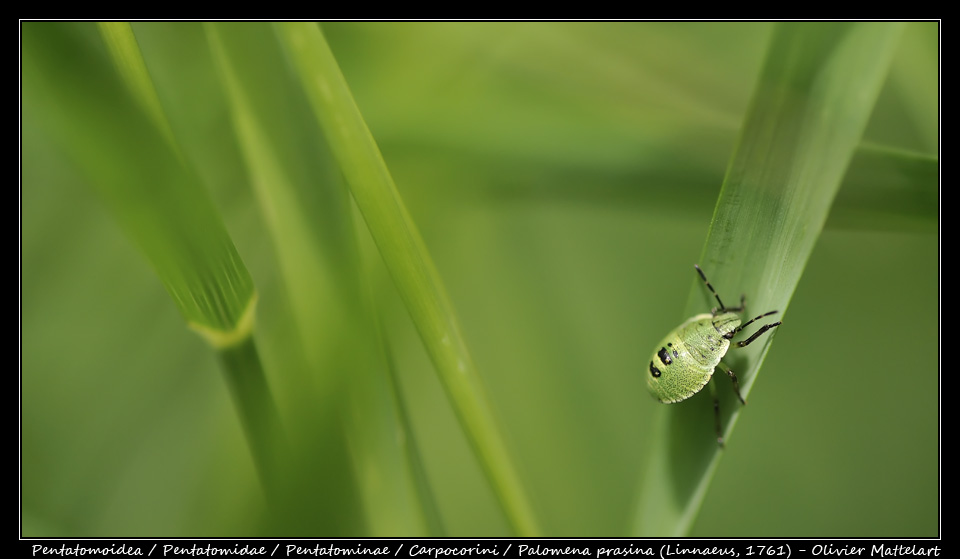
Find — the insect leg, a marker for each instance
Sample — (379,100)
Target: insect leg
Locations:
(757,334)
(716,414)
(742,307)
(733,377)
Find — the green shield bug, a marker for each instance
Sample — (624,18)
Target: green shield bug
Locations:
(683,363)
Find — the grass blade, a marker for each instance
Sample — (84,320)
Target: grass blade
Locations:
(814,97)
(406,258)
(318,263)
(123,48)
(106,116)
(888,189)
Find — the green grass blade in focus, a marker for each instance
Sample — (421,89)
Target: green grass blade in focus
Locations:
(407,260)
(102,109)
(809,109)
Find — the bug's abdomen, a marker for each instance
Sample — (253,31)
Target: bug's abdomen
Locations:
(685,360)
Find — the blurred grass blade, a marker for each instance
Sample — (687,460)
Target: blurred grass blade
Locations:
(159,201)
(426,500)
(406,258)
(812,102)
(887,189)
(123,48)
(108,120)
(286,158)
(278,168)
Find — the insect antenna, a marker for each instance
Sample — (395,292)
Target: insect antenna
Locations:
(712,290)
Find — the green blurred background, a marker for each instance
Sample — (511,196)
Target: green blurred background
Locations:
(563,176)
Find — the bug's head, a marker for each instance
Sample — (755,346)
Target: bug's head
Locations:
(726,323)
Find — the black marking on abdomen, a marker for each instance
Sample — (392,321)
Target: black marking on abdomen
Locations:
(664,356)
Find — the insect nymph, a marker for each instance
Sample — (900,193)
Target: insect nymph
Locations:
(684,362)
